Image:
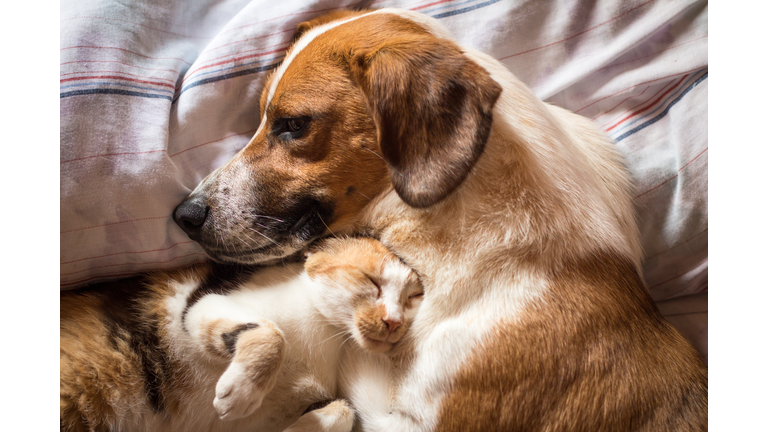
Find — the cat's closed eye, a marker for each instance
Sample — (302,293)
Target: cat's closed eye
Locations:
(376,285)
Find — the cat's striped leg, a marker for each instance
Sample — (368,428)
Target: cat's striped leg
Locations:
(337,416)
(258,352)
(255,349)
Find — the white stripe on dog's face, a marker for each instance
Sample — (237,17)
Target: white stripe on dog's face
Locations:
(295,50)
(280,71)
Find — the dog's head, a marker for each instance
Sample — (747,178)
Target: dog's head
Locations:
(363,102)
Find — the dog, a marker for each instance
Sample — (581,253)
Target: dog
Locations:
(517,216)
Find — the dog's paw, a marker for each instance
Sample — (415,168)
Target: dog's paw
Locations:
(237,394)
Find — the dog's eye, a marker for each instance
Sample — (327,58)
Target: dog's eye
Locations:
(295,125)
(417,295)
(290,128)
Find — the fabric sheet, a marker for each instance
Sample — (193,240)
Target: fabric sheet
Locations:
(155,94)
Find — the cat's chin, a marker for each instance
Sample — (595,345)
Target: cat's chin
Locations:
(373,345)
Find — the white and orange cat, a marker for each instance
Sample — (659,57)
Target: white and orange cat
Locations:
(237,351)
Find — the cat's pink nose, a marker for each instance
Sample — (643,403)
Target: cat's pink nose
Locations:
(392,324)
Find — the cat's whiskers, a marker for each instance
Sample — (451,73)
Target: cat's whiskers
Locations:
(349,336)
(341,332)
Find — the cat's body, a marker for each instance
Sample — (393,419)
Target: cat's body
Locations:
(186,348)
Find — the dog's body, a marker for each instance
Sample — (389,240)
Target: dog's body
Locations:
(516,214)
(536,318)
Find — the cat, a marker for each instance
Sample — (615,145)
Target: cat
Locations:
(218,349)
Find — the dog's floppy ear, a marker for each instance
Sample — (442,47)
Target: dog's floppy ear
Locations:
(432,107)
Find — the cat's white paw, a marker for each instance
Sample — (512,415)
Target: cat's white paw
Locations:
(237,395)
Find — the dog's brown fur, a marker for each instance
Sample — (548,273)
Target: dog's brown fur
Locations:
(546,213)
(597,359)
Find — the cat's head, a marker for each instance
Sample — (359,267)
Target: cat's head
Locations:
(362,287)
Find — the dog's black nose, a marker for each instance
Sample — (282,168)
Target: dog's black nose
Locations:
(190,215)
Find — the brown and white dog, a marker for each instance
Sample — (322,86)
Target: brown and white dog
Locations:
(517,216)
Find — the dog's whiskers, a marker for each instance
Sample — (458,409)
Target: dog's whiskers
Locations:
(379,156)
(244,242)
(366,196)
(249,237)
(216,236)
(261,234)
(269,217)
(326,225)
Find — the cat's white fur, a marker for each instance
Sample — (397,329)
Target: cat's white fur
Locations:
(280,298)
(314,317)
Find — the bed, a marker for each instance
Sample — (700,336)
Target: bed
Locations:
(155,94)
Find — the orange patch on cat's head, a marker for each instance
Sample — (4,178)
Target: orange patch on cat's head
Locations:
(332,255)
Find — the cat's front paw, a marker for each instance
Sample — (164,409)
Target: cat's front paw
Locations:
(237,395)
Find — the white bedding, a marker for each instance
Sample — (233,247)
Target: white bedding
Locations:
(155,94)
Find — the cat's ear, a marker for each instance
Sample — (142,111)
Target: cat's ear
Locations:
(432,107)
(332,268)
(316,264)
(320,254)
